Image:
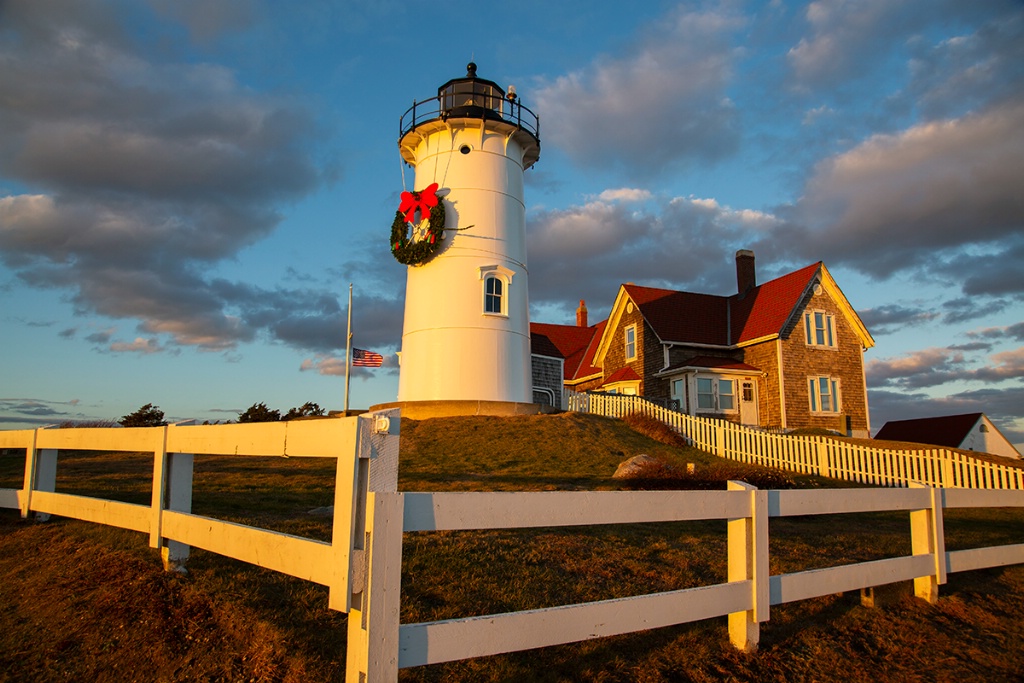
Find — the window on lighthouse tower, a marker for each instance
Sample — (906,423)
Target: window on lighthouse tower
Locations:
(496,282)
(495,293)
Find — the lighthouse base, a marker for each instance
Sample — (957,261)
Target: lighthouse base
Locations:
(421,410)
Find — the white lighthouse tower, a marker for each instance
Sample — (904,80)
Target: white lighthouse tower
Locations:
(466,336)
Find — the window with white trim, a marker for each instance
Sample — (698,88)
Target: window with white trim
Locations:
(679,393)
(820,329)
(824,394)
(494,295)
(716,394)
(631,342)
(497,282)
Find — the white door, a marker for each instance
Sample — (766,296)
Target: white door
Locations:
(748,402)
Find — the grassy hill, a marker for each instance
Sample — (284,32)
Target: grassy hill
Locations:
(81,602)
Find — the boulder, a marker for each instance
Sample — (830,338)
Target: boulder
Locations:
(637,466)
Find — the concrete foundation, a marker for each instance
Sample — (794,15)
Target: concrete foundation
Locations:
(421,410)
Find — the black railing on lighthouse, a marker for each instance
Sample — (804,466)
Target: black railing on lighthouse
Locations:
(471,97)
(477,105)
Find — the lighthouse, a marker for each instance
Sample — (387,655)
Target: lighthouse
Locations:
(466,332)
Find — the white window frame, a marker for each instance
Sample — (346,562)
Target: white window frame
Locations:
(501,275)
(627,342)
(716,394)
(817,399)
(677,391)
(826,331)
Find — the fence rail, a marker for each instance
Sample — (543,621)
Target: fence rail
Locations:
(817,455)
(362,564)
(745,598)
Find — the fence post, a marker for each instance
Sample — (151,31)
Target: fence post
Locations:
(172,490)
(948,476)
(720,438)
(375,560)
(748,561)
(821,451)
(927,537)
(40,475)
(373,625)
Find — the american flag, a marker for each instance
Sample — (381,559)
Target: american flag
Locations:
(366,359)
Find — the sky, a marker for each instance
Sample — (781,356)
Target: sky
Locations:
(188,187)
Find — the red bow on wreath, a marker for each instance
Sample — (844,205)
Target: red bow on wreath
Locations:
(422,201)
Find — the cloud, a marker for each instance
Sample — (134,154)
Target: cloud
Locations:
(925,368)
(890,317)
(1015,331)
(993,274)
(624,194)
(208,20)
(142,171)
(1006,365)
(964,309)
(921,193)
(101,337)
(36,411)
(140,345)
(586,251)
(963,72)
(662,104)
(938,366)
(849,40)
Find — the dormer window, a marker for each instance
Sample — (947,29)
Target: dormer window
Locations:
(820,330)
(497,281)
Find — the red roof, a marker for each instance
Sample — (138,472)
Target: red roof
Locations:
(715,362)
(682,316)
(949,431)
(765,309)
(690,318)
(622,375)
(569,342)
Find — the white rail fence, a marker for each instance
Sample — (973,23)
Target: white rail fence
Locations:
(362,564)
(818,455)
(366,450)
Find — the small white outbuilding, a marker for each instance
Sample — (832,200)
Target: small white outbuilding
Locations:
(969,432)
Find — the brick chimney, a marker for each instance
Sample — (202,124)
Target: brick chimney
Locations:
(745,278)
(581,314)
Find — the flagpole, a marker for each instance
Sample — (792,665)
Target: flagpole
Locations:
(348,348)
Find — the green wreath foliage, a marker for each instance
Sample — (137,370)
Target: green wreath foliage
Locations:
(413,253)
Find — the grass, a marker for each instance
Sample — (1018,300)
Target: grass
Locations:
(83,602)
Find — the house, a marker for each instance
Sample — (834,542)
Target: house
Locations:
(572,347)
(788,353)
(970,432)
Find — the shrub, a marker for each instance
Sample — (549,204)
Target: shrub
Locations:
(259,412)
(148,415)
(654,429)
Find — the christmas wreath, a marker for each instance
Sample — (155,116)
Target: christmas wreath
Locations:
(428,205)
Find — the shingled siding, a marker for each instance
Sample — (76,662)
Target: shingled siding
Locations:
(547,374)
(801,361)
(646,346)
(654,361)
(769,406)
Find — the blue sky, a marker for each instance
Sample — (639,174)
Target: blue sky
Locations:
(187,187)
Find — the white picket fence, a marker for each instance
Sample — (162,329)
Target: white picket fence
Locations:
(818,455)
(362,565)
